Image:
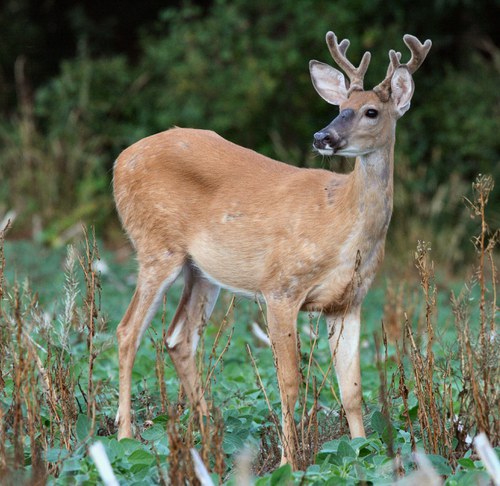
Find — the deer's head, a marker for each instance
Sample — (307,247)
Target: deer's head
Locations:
(367,118)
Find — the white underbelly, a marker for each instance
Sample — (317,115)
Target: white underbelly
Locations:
(249,294)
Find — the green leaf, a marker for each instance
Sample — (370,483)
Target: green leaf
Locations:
(80,478)
(316,468)
(382,426)
(156,432)
(264,481)
(232,443)
(71,465)
(129,445)
(360,444)
(141,457)
(325,465)
(161,419)
(345,450)
(378,460)
(113,449)
(331,446)
(379,422)
(54,454)
(467,463)
(440,464)
(282,475)
(466,478)
(162,446)
(139,468)
(83,427)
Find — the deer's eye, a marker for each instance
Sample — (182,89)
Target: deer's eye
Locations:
(371,113)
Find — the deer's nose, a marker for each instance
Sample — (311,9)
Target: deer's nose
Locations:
(321,139)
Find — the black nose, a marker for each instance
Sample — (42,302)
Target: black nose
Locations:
(321,139)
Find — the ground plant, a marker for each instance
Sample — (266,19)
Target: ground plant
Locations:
(429,365)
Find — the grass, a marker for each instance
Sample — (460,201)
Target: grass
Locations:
(429,368)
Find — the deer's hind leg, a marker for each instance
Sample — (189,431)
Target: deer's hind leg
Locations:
(193,312)
(154,279)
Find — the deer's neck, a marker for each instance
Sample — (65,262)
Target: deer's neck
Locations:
(373,187)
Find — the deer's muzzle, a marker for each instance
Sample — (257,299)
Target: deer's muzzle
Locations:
(334,136)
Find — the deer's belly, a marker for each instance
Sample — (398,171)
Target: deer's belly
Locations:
(233,267)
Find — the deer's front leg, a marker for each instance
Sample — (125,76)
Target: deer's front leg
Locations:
(282,322)
(343,333)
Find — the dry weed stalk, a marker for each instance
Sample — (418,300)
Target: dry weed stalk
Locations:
(311,434)
(180,463)
(3,232)
(22,419)
(478,344)
(399,301)
(211,364)
(433,402)
(181,441)
(384,389)
(3,439)
(439,389)
(404,392)
(160,348)
(36,358)
(272,435)
(210,431)
(92,303)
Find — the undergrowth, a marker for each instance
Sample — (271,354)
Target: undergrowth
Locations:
(430,375)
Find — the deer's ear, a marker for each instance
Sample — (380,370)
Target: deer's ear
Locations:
(328,82)
(402,87)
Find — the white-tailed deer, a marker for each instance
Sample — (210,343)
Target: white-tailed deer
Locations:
(300,239)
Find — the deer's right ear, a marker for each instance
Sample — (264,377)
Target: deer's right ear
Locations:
(328,82)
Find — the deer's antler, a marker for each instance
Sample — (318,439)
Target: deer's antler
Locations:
(418,54)
(338,52)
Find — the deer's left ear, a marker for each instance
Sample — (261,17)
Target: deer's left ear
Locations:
(402,90)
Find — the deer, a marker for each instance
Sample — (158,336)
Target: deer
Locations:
(298,239)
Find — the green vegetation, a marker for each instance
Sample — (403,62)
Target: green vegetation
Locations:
(429,373)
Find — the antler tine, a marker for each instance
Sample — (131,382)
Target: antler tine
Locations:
(343,46)
(418,51)
(383,89)
(418,54)
(394,62)
(338,52)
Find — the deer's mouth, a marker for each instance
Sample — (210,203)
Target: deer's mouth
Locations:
(325,151)
(329,145)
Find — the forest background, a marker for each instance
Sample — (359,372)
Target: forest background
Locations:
(80,81)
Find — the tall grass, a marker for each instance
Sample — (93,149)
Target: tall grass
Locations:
(457,392)
(39,379)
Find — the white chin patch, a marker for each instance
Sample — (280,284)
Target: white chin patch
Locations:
(325,151)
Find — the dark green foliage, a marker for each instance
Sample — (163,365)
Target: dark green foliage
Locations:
(241,68)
